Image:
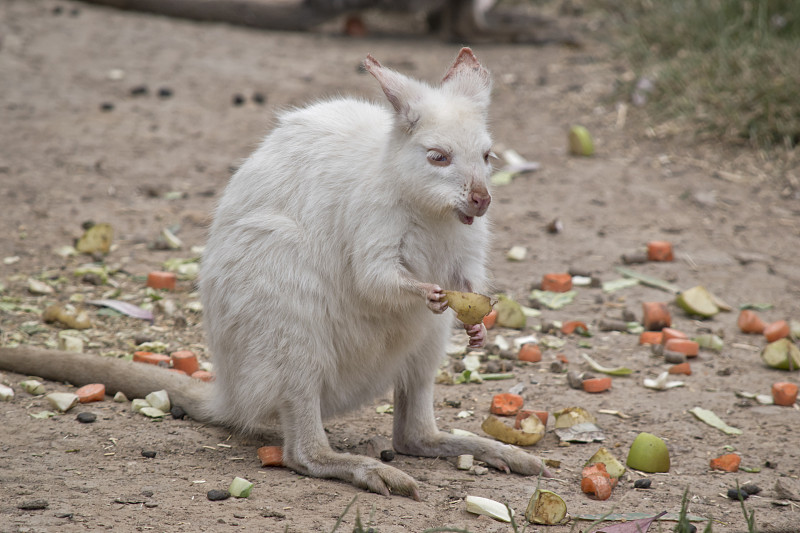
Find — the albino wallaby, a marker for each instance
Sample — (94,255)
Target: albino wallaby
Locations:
(322,276)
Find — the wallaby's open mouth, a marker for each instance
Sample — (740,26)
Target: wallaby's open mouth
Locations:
(465,219)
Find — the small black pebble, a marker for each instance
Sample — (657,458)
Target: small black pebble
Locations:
(750,488)
(33,505)
(259,98)
(58,10)
(86,418)
(106,106)
(216,495)
(737,494)
(387,455)
(150,454)
(139,90)
(165,92)
(238,99)
(177,412)
(642,483)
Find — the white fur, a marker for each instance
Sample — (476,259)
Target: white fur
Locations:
(323,248)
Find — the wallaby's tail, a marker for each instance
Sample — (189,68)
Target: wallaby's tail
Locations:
(135,380)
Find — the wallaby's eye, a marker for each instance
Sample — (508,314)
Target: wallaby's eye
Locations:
(440,159)
(489,155)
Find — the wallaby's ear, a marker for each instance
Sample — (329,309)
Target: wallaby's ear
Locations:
(400,90)
(469,78)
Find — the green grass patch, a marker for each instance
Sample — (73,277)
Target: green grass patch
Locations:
(726,69)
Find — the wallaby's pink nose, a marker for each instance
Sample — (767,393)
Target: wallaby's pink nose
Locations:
(480,200)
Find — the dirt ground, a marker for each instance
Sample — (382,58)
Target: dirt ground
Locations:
(76,145)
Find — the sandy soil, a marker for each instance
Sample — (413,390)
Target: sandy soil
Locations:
(76,145)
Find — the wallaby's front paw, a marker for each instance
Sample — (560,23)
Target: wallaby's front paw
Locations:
(477,335)
(386,480)
(435,298)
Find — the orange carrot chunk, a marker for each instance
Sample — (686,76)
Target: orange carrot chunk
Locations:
(559,282)
(573,325)
(655,316)
(530,352)
(651,337)
(596,480)
(150,358)
(93,392)
(728,462)
(659,251)
(784,393)
(506,404)
(270,455)
(162,280)
(681,368)
(776,330)
(685,346)
(185,360)
(490,319)
(596,384)
(750,322)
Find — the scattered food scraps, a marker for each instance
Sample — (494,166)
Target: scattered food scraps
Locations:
(531,431)
(728,463)
(546,507)
(710,418)
(487,507)
(470,308)
(648,453)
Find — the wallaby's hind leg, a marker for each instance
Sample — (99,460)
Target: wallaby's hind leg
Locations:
(415,431)
(306,450)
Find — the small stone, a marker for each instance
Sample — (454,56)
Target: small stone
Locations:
(238,100)
(259,98)
(750,488)
(33,505)
(177,412)
(217,495)
(152,412)
(642,483)
(737,494)
(387,455)
(64,515)
(106,107)
(480,470)
(150,454)
(86,418)
(139,90)
(165,92)
(674,358)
